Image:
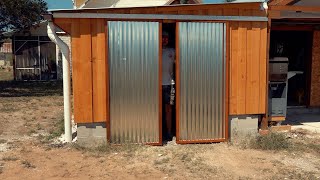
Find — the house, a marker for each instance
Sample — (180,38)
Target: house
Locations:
(234,68)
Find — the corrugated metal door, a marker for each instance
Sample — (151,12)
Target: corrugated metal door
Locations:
(134,81)
(202,82)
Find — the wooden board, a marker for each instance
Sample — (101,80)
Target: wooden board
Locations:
(248,43)
(81,70)
(278,118)
(99,70)
(263,62)
(64,24)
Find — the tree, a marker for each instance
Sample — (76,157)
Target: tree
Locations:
(18,15)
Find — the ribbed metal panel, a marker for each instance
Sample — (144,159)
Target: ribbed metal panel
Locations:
(202,81)
(134,81)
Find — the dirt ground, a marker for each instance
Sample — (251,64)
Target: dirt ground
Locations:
(30,120)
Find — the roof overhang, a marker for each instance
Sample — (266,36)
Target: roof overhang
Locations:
(159,17)
(293,9)
(159,13)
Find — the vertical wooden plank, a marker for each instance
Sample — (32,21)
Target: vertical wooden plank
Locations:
(82,72)
(95,69)
(75,43)
(234,54)
(253,56)
(265,118)
(227,78)
(242,68)
(263,87)
(99,70)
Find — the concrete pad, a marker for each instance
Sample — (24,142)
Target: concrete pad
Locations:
(312,127)
(304,118)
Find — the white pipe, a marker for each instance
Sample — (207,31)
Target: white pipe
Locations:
(66,79)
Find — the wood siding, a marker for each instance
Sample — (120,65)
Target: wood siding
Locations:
(315,71)
(248,65)
(247,58)
(89,70)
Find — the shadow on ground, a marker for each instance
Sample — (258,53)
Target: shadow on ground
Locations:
(24,89)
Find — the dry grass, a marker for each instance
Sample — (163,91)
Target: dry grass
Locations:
(27,164)
(6,75)
(271,141)
(1,167)
(126,149)
(10,158)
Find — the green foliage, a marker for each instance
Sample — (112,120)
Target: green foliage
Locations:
(58,128)
(18,15)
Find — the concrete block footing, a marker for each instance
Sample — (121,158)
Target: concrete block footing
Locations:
(91,134)
(243,125)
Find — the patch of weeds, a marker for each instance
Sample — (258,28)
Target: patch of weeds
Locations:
(9,158)
(38,126)
(2,141)
(32,131)
(8,108)
(1,167)
(127,149)
(315,147)
(306,146)
(26,124)
(27,164)
(185,157)
(56,131)
(271,141)
(161,161)
(294,174)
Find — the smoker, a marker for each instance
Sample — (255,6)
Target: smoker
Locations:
(278,86)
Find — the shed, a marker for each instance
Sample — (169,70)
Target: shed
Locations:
(36,58)
(221,70)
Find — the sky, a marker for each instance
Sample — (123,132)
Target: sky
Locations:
(67,4)
(59,4)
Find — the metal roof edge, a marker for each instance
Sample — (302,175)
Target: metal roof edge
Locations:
(175,5)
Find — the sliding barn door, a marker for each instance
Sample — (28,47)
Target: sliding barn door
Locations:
(134,82)
(202,67)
